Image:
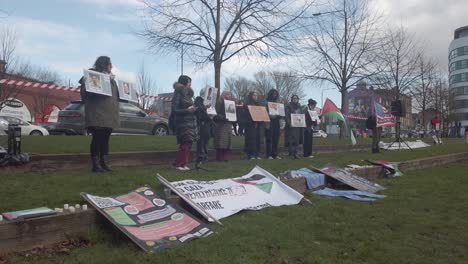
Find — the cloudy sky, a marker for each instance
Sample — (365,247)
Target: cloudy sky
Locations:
(68,35)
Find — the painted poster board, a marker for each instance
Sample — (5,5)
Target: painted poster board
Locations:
(258,113)
(256,190)
(150,221)
(298,120)
(230,108)
(97,82)
(276,109)
(127,91)
(350,179)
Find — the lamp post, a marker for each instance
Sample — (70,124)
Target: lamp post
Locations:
(182,56)
(329,12)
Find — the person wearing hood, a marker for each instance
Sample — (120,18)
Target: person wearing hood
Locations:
(101,116)
(293,133)
(272,132)
(222,129)
(205,125)
(309,130)
(252,136)
(185,120)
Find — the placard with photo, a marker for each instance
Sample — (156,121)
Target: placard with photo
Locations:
(258,113)
(97,82)
(230,108)
(276,109)
(298,120)
(314,116)
(127,91)
(209,100)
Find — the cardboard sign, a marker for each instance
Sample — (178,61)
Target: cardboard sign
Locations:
(127,91)
(230,108)
(254,191)
(276,109)
(258,113)
(97,82)
(298,120)
(149,220)
(350,179)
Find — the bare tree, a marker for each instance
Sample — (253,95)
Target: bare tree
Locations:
(239,87)
(41,103)
(287,85)
(225,28)
(339,45)
(263,83)
(422,89)
(8,44)
(147,86)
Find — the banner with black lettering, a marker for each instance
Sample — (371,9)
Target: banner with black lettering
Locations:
(254,191)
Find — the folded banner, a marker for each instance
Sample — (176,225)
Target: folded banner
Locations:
(254,191)
(29,213)
(391,168)
(148,220)
(350,194)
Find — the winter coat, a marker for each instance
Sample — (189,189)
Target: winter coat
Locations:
(292,134)
(254,131)
(274,120)
(204,122)
(101,110)
(185,121)
(222,128)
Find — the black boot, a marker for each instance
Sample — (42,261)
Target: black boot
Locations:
(105,163)
(96,165)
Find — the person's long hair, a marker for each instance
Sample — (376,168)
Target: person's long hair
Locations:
(271,95)
(101,63)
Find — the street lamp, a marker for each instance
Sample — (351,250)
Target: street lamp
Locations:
(182,56)
(323,91)
(329,12)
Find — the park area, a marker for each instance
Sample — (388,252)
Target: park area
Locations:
(422,219)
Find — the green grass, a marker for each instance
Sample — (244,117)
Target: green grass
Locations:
(423,219)
(80,144)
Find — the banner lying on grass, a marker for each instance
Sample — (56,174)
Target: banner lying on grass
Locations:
(254,191)
(150,221)
(391,168)
(403,145)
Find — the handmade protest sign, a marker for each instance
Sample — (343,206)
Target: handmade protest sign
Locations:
(127,91)
(276,109)
(350,179)
(258,113)
(97,82)
(298,120)
(314,116)
(230,108)
(149,220)
(209,100)
(254,191)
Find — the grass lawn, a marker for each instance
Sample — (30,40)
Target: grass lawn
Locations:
(80,144)
(423,219)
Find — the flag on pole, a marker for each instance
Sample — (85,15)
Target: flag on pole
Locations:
(330,110)
(384,118)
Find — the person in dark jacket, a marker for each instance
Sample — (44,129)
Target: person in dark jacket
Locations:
(205,125)
(240,118)
(371,124)
(309,130)
(222,129)
(293,133)
(252,138)
(185,120)
(101,116)
(272,132)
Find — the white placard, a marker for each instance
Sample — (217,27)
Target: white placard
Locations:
(230,109)
(276,109)
(298,120)
(254,191)
(209,99)
(314,116)
(127,91)
(97,82)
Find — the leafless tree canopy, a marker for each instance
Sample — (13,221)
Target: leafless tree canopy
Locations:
(339,44)
(422,89)
(8,44)
(147,86)
(225,28)
(239,87)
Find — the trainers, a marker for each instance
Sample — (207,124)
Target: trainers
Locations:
(278,157)
(187,168)
(270,157)
(252,158)
(181,168)
(311,157)
(259,158)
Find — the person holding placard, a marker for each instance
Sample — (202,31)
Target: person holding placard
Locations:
(293,134)
(252,137)
(222,129)
(205,125)
(272,132)
(185,121)
(101,116)
(311,122)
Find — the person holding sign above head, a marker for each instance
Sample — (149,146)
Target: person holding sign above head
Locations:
(272,131)
(252,137)
(101,116)
(185,121)
(311,117)
(222,128)
(293,134)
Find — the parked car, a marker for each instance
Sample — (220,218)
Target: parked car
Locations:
(50,127)
(320,133)
(3,126)
(133,120)
(27,129)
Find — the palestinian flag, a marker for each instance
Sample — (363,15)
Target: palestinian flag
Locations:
(331,111)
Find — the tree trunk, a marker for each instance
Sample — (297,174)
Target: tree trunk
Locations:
(344,111)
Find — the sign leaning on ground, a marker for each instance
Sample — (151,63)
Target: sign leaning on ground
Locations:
(149,220)
(254,191)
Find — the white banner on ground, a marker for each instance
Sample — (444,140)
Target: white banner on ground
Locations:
(254,191)
(403,145)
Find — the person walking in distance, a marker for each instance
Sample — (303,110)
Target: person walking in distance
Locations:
(101,116)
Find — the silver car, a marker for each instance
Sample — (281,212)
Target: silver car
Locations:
(3,127)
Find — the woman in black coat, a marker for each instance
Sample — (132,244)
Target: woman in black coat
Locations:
(272,132)
(185,120)
(252,136)
(101,116)
(293,133)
